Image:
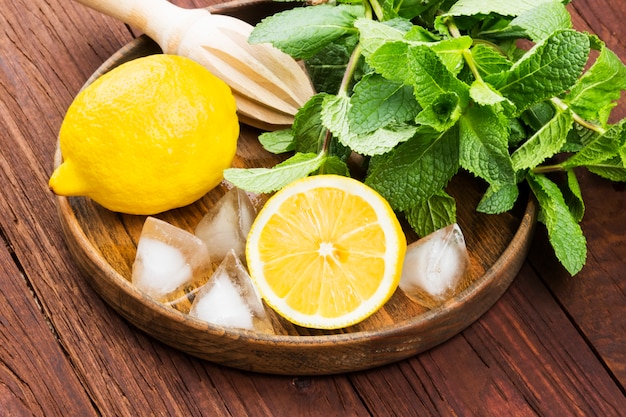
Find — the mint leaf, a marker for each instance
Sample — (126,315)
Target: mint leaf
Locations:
(564,232)
(600,149)
(545,143)
(267,180)
(498,199)
(391,60)
(377,102)
(373,34)
(442,113)
(598,90)
(415,170)
(335,116)
(573,196)
(307,128)
(278,141)
(333,165)
(432,214)
(482,93)
(501,7)
(450,51)
(327,66)
(612,169)
(484,145)
(303,31)
(489,61)
(544,19)
(431,78)
(550,68)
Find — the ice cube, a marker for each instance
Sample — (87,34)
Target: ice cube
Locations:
(227,224)
(169,260)
(230,299)
(435,267)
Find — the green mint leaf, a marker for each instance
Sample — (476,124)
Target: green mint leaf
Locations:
(391,60)
(432,214)
(598,90)
(335,117)
(334,165)
(564,232)
(374,34)
(326,68)
(600,149)
(489,61)
(278,141)
(419,66)
(612,169)
(484,145)
(267,180)
(545,143)
(517,132)
(501,7)
(418,33)
(307,128)
(483,94)
(442,113)
(543,20)
(417,169)
(431,78)
(377,102)
(573,196)
(538,115)
(450,51)
(550,68)
(498,199)
(303,31)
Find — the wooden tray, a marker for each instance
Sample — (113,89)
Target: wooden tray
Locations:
(104,243)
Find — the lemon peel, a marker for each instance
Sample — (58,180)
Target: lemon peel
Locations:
(153,134)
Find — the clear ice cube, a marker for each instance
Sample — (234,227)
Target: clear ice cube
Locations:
(227,224)
(230,299)
(169,260)
(435,267)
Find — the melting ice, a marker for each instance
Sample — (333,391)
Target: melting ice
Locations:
(230,299)
(227,224)
(435,267)
(168,258)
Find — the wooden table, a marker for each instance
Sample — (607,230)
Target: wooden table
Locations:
(552,346)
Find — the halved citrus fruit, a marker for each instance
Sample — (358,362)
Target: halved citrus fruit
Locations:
(326,252)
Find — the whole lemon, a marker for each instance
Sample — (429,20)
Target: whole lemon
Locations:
(153,134)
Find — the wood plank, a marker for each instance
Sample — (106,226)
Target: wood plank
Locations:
(523,358)
(36,375)
(595,299)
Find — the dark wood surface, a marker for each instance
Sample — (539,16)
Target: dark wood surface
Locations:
(551,346)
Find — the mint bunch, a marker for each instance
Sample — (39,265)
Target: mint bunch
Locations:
(419,90)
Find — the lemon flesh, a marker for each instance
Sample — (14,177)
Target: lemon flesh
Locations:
(326,252)
(153,134)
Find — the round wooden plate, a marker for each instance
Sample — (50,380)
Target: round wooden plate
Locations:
(104,243)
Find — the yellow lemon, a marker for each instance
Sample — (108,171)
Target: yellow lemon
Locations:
(326,252)
(153,134)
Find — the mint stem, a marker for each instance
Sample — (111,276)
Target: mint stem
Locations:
(547,169)
(560,104)
(467,55)
(378,10)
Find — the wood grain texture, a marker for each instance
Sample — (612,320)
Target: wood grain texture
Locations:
(551,345)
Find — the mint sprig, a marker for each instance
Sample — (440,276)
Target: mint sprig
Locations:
(420,91)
